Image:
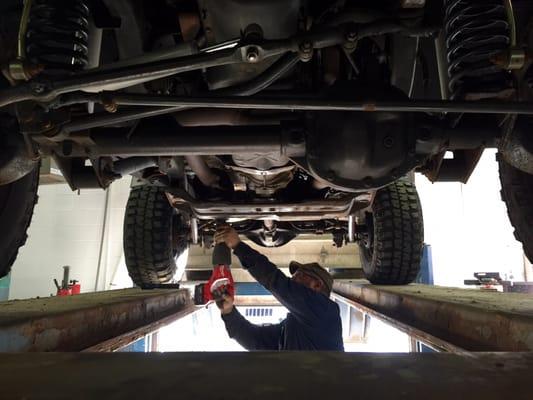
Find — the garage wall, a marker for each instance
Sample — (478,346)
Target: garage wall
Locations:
(66,229)
(304,249)
(112,253)
(467,227)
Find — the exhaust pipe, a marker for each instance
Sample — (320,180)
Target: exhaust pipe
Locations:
(202,171)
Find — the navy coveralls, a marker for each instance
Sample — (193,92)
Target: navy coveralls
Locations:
(313,322)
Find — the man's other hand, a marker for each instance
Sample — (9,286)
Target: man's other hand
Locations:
(225,304)
(226,234)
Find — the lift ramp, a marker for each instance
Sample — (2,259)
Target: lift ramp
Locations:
(100,321)
(490,333)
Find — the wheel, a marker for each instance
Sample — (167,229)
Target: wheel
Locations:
(17,200)
(155,236)
(392,247)
(517,193)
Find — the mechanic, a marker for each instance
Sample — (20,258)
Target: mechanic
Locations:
(313,322)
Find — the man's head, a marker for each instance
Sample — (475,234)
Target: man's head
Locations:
(313,276)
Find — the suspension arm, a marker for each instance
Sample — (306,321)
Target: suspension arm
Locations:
(97,79)
(254,86)
(306,104)
(42,90)
(47,90)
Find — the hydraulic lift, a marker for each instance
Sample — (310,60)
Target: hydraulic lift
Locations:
(100,321)
(466,326)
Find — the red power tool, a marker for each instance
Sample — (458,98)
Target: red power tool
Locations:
(221,282)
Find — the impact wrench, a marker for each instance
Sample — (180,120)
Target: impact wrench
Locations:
(221,282)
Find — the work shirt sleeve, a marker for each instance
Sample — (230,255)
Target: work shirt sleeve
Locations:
(250,336)
(305,304)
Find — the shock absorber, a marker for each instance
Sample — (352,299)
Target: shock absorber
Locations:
(476,31)
(57,35)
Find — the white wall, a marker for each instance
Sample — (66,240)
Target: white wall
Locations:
(467,227)
(112,251)
(66,230)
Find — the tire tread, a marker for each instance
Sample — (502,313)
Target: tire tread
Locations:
(18,230)
(398,235)
(148,246)
(517,194)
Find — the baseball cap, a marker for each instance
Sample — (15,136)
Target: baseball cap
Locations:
(315,270)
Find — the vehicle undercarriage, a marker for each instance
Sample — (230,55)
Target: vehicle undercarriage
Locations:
(280,117)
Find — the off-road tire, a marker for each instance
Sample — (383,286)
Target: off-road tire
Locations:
(517,194)
(17,200)
(396,236)
(153,237)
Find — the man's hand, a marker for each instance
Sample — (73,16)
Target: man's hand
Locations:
(226,234)
(225,304)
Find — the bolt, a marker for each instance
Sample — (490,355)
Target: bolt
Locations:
(306,51)
(351,36)
(388,142)
(110,107)
(253,32)
(252,54)
(38,88)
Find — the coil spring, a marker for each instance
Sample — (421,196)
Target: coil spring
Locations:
(57,35)
(476,30)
